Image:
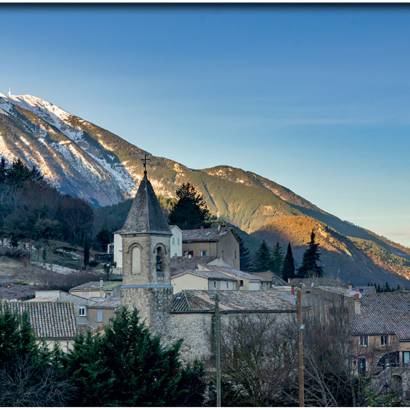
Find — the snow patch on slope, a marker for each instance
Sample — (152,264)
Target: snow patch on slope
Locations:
(4,150)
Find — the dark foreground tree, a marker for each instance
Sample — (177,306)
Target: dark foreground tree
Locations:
(288,269)
(311,258)
(190,210)
(262,260)
(28,372)
(127,366)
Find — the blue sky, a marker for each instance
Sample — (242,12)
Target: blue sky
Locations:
(315,98)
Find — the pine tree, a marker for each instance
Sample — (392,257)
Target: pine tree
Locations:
(190,210)
(277,259)
(127,366)
(311,258)
(288,270)
(262,261)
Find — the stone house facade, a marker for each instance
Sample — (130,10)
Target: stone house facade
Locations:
(217,242)
(381,339)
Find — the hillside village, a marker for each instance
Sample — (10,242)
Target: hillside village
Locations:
(183,281)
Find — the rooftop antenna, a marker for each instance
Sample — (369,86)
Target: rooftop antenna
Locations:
(9,93)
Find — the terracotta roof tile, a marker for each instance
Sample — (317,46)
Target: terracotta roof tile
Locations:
(49,320)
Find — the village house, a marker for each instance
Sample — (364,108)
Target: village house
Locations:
(176,241)
(381,339)
(80,304)
(217,242)
(269,279)
(246,281)
(203,280)
(92,310)
(95,289)
(52,322)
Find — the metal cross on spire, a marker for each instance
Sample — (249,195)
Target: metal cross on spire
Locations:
(144,163)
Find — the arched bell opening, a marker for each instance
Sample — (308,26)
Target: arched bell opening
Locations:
(160,261)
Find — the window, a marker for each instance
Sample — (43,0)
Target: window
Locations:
(203,253)
(384,340)
(406,358)
(100,315)
(173,241)
(364,341)
(82,311)
(361,367)
(241,283)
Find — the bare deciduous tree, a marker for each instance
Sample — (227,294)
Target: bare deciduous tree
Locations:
(23,383)
(258,359)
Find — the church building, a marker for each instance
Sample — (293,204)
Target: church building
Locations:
(145,242)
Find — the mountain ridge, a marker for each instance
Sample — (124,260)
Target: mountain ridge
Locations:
(81,159)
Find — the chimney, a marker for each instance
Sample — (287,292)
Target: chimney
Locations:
(357,303)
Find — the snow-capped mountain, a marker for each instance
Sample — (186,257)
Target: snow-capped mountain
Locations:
(68,150)
(83,160)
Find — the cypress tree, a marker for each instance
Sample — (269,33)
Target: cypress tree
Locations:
(311,258)
(244,256)
(288,270)
(277,259)
(262,261)
(190,210)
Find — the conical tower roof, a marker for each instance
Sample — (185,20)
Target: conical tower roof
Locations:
(145,215)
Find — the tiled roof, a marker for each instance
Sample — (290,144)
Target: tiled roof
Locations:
(191,301)
(268,276)
(145,214)
(235,273)
(312,282)
(49,320)
(110,303)
(59,296)
(95,285)
(207,274)
(203,234)
(183,263)
(384,313)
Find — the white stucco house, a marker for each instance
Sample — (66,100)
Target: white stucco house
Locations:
(117,253)
(176,241)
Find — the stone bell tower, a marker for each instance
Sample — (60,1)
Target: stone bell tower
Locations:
(146,259)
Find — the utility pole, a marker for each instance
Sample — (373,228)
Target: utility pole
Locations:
(218,352)
(301,365)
